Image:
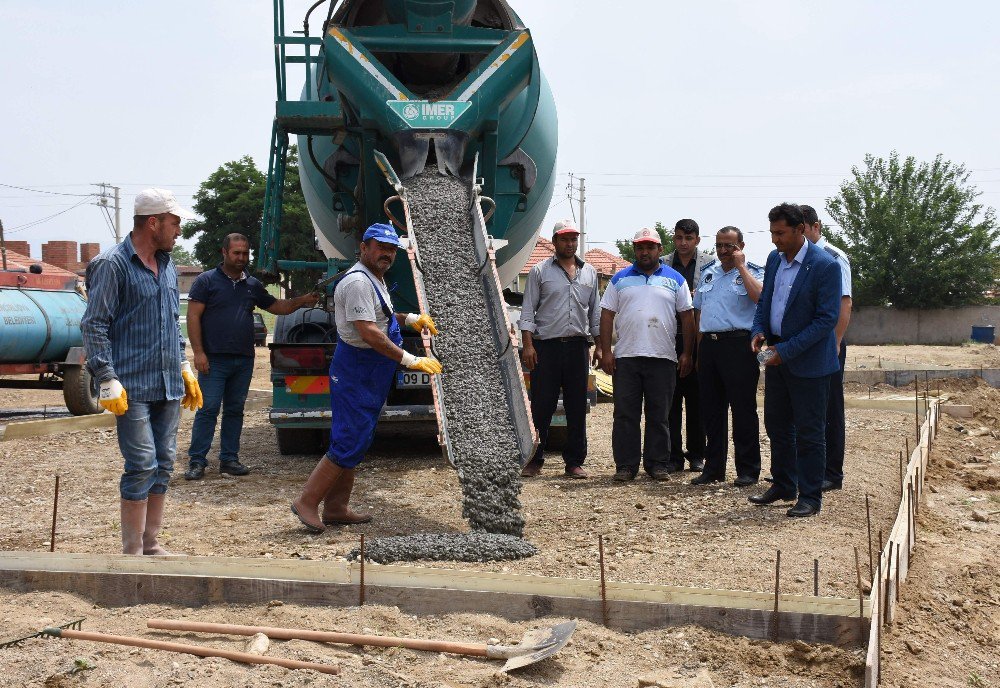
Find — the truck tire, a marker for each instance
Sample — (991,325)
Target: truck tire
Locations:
(81,399)
(300,441)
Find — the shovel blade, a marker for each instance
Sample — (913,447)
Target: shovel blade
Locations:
(538,644)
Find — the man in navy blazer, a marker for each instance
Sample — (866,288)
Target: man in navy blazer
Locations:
(796,316)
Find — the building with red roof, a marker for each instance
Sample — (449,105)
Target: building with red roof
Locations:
(606,264)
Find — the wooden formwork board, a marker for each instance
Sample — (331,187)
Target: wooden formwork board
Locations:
(893,563)
(118,580)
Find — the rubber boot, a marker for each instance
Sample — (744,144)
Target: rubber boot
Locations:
(154,520)
(336,511)
(306,506)
(133,525)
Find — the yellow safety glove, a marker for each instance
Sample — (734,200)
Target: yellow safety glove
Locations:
(192,400)
(419,322)
(112,396)
(424,364)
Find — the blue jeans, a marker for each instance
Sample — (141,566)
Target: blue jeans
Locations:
(225,386)
(147,437)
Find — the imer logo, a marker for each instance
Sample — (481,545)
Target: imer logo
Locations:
(426,114)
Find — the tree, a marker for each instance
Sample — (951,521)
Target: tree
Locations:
(626,251)
(232,200)
(182,256)
(915,233)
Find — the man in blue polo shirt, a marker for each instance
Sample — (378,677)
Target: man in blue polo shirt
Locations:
(641,306)
(220,327)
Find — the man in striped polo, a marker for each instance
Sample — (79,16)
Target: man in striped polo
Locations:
(135,350)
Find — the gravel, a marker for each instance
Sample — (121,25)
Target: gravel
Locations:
(483,438)
(446,547)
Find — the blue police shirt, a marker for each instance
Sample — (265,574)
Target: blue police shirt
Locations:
(227,323)
(722,298)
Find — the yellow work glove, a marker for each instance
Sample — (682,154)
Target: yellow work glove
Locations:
(419,322)
(112,396)
(424,364)
(192,400)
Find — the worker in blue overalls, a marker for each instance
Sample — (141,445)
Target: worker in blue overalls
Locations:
(362,373)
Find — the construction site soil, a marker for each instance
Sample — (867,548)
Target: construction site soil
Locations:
(672,533)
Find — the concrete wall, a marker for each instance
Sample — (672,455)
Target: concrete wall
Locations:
(942,326)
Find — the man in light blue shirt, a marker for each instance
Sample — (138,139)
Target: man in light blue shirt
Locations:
(835,422)
(783,281)
(724,302)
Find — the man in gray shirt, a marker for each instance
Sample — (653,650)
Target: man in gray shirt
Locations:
(559,320)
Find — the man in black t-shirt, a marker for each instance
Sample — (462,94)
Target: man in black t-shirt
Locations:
(220,326)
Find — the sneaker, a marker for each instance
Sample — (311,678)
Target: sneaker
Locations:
(576,472)
(233,468)
(531,469)
(623,476)
(195,471)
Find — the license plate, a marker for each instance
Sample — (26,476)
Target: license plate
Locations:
(411,379)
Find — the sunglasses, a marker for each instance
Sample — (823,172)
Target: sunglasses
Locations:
(720,247)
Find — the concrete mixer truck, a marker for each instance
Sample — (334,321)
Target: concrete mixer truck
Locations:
(394,88)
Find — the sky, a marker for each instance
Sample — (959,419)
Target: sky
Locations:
(715,110)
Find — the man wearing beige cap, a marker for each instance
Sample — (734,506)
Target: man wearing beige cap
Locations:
(560,319)
(641,305)
(135,350)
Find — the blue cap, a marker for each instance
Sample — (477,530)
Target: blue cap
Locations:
(383,233)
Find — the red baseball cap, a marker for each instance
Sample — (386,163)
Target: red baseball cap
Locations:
(565,227)
(647,235)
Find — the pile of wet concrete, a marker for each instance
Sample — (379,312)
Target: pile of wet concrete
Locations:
(483,438)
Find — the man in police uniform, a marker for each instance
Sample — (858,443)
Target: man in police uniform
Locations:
(835,432)
(724,302)
(361,375)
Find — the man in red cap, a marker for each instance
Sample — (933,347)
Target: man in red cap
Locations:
(641,306)
(559,320)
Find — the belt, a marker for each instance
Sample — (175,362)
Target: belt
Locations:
(729,334)
(577,338)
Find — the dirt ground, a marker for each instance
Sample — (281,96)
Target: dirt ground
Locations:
(670,533)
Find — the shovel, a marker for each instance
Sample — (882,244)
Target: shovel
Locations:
(535,646)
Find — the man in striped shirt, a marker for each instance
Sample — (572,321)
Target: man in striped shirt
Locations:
(131,332)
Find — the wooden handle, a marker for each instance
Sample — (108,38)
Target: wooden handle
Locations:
(472,649)
(244,657)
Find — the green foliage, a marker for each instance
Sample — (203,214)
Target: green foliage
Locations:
(182,256)
(626,251)
(232,200)
(915,233)
(81,664)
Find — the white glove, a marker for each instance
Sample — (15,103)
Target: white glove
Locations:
(113,397)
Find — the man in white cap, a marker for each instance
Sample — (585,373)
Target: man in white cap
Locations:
(560,318)
(641,305)
(135,350)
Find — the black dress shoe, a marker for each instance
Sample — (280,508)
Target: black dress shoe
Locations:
(194,472)
(705,479)
(674,467)
(830,485)
(233,468)
(697,465)
(772,495)
(744,481)
(802,509)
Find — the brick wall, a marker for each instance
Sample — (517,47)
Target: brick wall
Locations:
(62,254)
(88,252)
(22,247)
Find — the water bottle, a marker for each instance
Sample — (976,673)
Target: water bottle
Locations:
(765,355)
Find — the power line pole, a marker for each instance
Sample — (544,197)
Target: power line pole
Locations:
(581,250)
(102,202)
(3,246)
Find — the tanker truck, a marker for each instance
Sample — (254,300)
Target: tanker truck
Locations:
(394,87)
(40,337)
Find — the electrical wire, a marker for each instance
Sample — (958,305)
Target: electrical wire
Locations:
(42,191)
(34,223)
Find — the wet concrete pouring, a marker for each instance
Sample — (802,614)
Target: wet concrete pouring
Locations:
(483,439)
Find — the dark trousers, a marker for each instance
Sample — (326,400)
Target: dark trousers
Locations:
(642,384)
(795,420)
(835,426)
(686,394)
(563,366)
(728,373)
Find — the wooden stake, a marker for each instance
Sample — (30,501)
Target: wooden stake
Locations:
(871,561)
(901,481)
(604,590)
(916,406)
(878,627)
(899,580)
(55,509)
(888,577)
(361,584)
(861,593)
(777,583)
(815,577)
